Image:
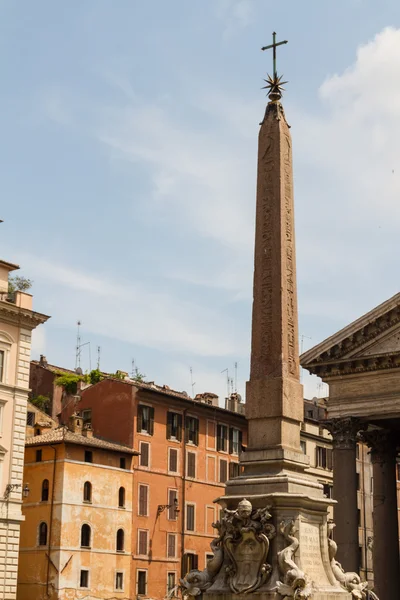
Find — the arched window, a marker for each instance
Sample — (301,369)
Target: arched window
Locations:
(85,536)
(45,490)
(121,497)
(43,534)
(120,540)
(87,492)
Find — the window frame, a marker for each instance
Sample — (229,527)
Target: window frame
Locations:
(172,515)
(149,430)
(88,453)
(116,588)
(39,455)
(193,506)
(171,427)
(44,545)
(144,485)
(84,587)
(194,458)
(141,444)
(192,432)
(175,537)
(222,441)
(82,546)
(44,497)
(169,591)
(138,593)
(120,547)
(123,493)
(220,462)
(87,486)
(170,449)
(138,548)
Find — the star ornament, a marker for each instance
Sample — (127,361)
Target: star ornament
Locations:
(274,85)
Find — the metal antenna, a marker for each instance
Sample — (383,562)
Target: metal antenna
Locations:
(236,369)
(302,338)
(192,383)
(133,368)
(78,346)
(227,378)
(98,357)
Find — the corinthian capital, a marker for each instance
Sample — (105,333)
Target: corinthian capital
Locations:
(382,443)
(344,431)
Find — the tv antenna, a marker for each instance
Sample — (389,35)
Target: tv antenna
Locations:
(79,347)
(228,381)
(98,357)
(302,338)
(236,370)
(192,383)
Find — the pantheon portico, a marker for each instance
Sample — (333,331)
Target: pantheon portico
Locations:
(361,364)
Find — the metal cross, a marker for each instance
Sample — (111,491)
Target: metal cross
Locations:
(274,45)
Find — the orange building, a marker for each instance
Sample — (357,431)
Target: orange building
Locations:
(188,449)
(76,537)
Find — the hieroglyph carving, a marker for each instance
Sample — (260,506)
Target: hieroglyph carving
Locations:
(349,581)
(241,547)
(295,583)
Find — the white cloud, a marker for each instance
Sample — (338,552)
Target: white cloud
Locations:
(235,14)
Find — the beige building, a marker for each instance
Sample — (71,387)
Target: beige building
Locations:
(17,320)
(76,537)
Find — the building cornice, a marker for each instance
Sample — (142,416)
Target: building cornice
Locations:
(352,366)
(10,313)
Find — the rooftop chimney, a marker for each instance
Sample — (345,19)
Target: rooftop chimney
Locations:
(87,430)
(43,361)
(75,423)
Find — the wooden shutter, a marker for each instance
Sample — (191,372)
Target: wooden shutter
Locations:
(195,561)
(143,500)
(223,471)
(151,424)
(144,454)
(187,429)
(230,440)
(142,542)
(179,432)
(169,425)
(219,438)
(190,517)
(191,464)
(173,460)
(196,431)
(171,551)
(139,419)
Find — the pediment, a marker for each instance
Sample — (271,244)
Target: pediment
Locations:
(376,333)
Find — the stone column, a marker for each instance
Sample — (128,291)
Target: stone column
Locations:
(386,538)
(344,433)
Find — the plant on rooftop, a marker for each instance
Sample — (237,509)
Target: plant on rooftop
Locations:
(95,376)
(69,381)
(18,284)
(41,402)
(138,376)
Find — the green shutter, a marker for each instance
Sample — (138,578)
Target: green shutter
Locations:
(139,419)
(169,425)
(151,425)
(179,432)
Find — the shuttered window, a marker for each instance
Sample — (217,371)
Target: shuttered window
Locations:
(173,460)
(174,426)
(144,454)
(190,517)
(143,500)
(142,583)
(172,513)
(222,438)
(192,430)
(234,470)
(142,541)
(191,464)
(223,471)
(235,440)
(145,419)
(190,562)
(171,545)
(323,457)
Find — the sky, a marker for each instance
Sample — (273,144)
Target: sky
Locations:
(128,168)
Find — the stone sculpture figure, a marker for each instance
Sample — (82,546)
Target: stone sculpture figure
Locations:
(241,548)
(349,581)
(295,584)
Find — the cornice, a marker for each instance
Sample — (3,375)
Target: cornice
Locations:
(15,315)
(355,365)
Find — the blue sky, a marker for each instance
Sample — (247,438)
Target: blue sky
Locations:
(128,166)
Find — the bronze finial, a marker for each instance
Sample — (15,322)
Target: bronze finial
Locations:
(274,83)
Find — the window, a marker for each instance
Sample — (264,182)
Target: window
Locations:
(222,437)
(144,459)
(303,446)
(190,562)
(143,542)
(45,490)
(171,545)
(37,431)
(173,460)
(172,512)
(190,517)
(323,457)
(30,419)
(145,420)
(234,470)
(84,578)
(122,462)
(192,430)
(191,464)
(85,536)
(43,534)
(327,490)
(174,426)
(88,456)
(1,364)
(171,582)
(143,500)
(38,456)
(87,491)
(121,497)
(142,583)
(120,540)
(87,416)
(223,471)
(235,441)
(119,580)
